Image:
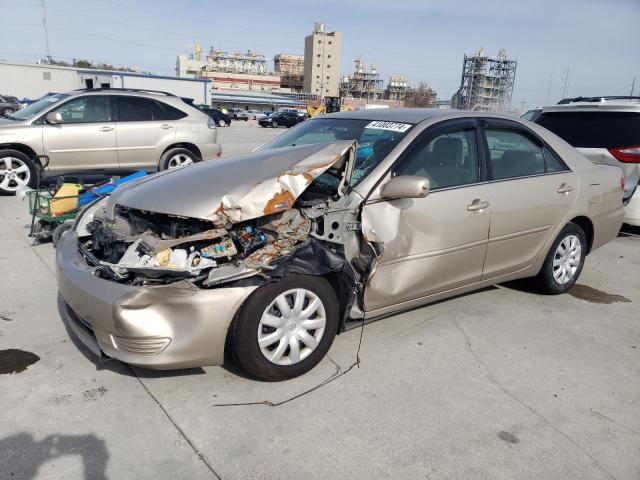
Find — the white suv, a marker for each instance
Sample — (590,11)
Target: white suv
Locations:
(605,130)
(102,130)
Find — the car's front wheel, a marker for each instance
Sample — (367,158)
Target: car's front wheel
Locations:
(564,261)
(221,123)
(7,111)
(16,170)
(285,328)
(274,124)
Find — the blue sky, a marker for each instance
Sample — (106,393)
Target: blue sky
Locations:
(597,40)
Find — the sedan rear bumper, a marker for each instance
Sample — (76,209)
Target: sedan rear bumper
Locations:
(169,326)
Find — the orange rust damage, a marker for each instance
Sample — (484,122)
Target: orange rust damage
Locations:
(282,200)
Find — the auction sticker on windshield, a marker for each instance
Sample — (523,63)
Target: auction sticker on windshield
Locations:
(393,126)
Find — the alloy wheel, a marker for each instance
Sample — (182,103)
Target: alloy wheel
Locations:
(14,173)
(291,327)
(179,160)
(567,259)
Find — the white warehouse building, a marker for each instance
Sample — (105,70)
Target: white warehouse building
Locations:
(34,80)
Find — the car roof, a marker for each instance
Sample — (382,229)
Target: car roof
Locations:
(124,92)
(615,105)
(415,115)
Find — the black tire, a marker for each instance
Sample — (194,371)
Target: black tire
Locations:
(221,123)
(33,169)
(243,339)
(274,124)
(7,111)
(228,124)
(166,157)
(545,281)
(58,231)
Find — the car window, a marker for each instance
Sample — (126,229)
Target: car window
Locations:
(162,111)
(552,162)
(594,129)
(134,109)
(513,154)
(375,142)
(86,110)
(38,106)
(447,160)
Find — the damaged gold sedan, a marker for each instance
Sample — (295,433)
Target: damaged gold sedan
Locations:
(342,218)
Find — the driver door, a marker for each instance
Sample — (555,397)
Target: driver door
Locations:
(86,138)
(437,243)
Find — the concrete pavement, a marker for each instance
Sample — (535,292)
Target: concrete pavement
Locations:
(498,384)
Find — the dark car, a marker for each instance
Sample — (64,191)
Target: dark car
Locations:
(221,118)
(8,105)
(281,119)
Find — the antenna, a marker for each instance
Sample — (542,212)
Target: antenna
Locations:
(46,31)
(549,89)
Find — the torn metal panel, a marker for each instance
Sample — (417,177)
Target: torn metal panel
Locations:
(240,188)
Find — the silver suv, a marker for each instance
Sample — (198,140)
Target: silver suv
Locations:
(605,130)
(103,129)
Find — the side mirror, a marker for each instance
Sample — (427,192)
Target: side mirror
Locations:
(405,186)
(54,117)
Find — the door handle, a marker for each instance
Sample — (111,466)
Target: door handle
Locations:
(564,188)
(166,126)
(106,128)
(478,205)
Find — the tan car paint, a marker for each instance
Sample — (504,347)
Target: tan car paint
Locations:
(142,143)
(80,145)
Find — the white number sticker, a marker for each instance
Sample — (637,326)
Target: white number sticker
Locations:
(393,126)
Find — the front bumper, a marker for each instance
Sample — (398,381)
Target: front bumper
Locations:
(161,327)
(632,209)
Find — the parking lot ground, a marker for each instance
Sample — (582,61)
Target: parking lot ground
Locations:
(498,384)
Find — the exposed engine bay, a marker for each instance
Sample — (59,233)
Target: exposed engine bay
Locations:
(142,248)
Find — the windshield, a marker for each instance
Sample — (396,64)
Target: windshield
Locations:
(35,108)
(375,140)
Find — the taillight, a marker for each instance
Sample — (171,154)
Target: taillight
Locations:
(627,154)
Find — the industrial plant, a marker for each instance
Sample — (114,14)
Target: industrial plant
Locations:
(487,82)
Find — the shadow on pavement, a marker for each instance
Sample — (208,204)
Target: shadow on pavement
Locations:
(21,456)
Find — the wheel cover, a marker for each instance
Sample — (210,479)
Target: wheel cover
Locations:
(179,160)
(274,124)
(221,123)
(566,260)
(14,173)
(291,327)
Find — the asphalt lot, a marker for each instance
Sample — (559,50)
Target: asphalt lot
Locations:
(498,384)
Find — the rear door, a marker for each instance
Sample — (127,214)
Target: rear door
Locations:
(144,128)
(86,138)
(532,191)
(436,243)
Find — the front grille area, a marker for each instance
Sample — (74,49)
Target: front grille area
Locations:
(140,345)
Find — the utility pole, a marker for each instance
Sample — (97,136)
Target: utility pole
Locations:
(567,74)
(549,89)
(46,31)
(633,84)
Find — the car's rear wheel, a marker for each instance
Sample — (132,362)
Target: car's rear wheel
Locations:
(285,328)
(7,111)
(177,157)
(17,170)
(221,123)
(564,261)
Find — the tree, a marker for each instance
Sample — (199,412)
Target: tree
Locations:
(424,96)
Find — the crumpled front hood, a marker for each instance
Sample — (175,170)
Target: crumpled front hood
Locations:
(236,189)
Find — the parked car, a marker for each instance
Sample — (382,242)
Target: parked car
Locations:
(281,119)
(532,114)
(103,129)
(605,130)
(233,113)
(273,253)
(221,118)
(8,105)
